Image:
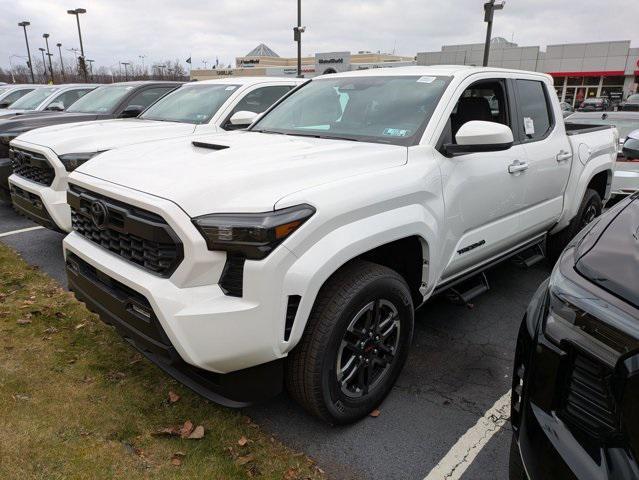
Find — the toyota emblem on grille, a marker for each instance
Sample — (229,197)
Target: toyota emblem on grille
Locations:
(99,214)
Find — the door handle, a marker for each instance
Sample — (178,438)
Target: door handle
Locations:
(562,156)
(517,166)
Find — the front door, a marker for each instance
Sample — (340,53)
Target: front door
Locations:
(481,197)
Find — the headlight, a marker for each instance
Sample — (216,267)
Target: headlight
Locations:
(252,235)
(71,161)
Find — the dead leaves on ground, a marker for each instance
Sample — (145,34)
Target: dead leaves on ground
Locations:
(173,397)
(187,430)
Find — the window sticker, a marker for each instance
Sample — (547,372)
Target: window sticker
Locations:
(230,87)
(396,132)
(425,79)
(529,126)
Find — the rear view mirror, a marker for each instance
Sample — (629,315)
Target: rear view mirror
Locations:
(132,111)
(55,107)
(631,148)
(481,136)
(243,118)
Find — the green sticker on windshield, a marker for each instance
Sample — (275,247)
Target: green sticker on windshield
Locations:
(396,132)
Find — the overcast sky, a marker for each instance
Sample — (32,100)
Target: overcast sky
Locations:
(119,30)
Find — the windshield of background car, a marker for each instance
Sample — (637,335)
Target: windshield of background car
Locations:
(190,104)
(625,126)
(389,109)
(31,100)
(101,100)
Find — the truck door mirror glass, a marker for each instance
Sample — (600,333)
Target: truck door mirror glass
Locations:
(243,118)
(132,111)
(55,107)
(481,136)
(631,148)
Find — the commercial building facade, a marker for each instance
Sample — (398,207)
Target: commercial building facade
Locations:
(579,70)
(264,61)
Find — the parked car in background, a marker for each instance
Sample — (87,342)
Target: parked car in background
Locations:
(631,104)
(576,374)
(596,104)
(193,109)
(117,100)
(566,109)
(296,251)
(626,178)
(10,93)
(627,172)
(54,98)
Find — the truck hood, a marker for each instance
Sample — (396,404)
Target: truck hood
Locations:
(240,171)
(28,121)
(103,135)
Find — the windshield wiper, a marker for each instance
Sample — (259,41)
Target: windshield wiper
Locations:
(267,131)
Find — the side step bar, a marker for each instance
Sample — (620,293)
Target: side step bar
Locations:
(530,256)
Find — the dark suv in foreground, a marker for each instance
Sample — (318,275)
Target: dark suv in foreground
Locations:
(575,397)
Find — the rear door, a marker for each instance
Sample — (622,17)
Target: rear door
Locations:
(539,128)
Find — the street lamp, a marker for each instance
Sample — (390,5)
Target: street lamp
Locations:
(83,65)
(44,64)
(297,36)
(126,73)
(489,10)
(24,25)
(59,45)
(160,68)
(46,39)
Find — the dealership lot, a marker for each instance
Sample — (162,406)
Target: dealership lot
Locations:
(460,365)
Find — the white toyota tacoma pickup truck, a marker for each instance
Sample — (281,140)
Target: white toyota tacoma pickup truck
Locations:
(295,253)
(44,157)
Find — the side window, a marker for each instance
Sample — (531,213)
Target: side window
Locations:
(260,99)
(69,97)
(13,96)
(484,100)
(149,96)
(534,109)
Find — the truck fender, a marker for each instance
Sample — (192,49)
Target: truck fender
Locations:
(311,270)
(599,162)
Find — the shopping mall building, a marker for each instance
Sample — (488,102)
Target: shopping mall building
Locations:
(580,70)
(264,61)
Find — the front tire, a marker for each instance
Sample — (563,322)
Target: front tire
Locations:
(590,208)
(355,345)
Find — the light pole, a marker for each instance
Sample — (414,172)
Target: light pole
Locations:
(24,25)
(83,65)
(205,63)
(44,65)
(126,73)
(59,45)
(142,57)
(489,10)
(13,78)
(161,69)
(46,39)
(90,62)
(297,36)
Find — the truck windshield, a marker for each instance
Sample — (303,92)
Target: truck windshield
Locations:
(101,100)
(31,100)
(380,109)
(190,104)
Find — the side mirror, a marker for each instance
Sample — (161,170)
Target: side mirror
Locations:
(132,111)
(243,118)
(630,148)
(481,136)
(55,107)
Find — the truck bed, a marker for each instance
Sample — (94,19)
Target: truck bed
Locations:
(579,128)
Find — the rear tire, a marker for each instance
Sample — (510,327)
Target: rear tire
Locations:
(590,208)
(355,344)
(516,470)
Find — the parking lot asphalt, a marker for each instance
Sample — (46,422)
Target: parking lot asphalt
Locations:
(459,366)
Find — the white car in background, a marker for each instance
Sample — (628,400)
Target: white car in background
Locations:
(627,172)
(195,108)
(9,93)
(52,98)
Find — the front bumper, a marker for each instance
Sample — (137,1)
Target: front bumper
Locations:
(132,316)
(550,446)
(49,208)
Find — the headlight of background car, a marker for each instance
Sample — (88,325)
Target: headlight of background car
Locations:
(252,235)
(71,161)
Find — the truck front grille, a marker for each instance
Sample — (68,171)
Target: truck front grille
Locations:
(137,235)
(32,166)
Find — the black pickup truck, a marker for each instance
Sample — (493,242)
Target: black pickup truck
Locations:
(118,100)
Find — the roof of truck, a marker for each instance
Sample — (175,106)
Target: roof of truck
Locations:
(435,70)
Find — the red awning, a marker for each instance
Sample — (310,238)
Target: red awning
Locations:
(603,73)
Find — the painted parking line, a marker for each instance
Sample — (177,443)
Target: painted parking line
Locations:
(22,230)
(462,454)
